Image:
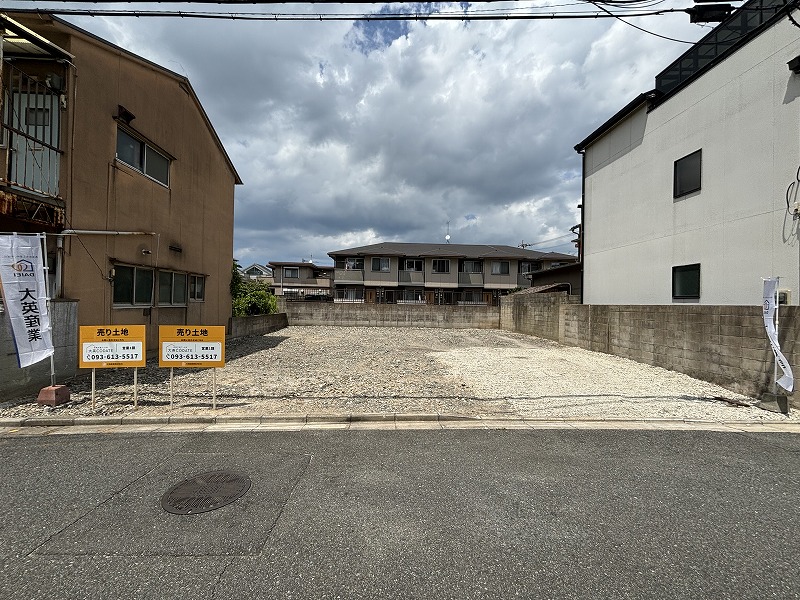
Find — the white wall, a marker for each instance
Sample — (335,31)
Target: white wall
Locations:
(744,116)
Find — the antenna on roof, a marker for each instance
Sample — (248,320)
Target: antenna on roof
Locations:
(523,245)
(447,237)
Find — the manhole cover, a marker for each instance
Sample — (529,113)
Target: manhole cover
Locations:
(205,492)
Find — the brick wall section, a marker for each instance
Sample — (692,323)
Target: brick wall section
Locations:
(256,325)
(726,345)
(15,382)
(391,315)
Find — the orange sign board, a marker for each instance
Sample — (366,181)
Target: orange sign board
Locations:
(111,346)
(191,346)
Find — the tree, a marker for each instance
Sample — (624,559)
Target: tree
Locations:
(237,280)
(250,297)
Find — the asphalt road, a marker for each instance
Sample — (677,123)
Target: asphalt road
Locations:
(405,514)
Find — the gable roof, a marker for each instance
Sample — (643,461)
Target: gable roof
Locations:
(476,251)
(183,81)
(261,269)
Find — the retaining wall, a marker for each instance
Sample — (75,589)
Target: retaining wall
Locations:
(726,345)
(256,325)
(390,315)
(16,382)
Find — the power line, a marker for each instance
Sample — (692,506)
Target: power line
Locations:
(664,37)
(409,16)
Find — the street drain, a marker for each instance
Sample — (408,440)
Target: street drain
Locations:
(205,492)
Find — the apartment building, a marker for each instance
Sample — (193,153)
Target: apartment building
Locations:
(408,273)
(301,280)
(127,177)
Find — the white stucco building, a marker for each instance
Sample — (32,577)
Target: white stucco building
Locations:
(685,188)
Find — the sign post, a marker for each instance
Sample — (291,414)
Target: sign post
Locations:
(112,346)
(192,346)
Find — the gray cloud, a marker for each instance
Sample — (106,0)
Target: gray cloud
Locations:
(347,134)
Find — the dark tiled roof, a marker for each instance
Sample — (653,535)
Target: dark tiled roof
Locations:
(477,251)
(298,264)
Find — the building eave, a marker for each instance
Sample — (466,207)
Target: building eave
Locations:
(621,115)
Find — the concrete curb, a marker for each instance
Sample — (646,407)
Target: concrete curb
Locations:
(290,420)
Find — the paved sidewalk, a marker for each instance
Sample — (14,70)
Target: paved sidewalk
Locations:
(389,421)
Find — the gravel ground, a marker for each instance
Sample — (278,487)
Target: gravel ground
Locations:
(344,370)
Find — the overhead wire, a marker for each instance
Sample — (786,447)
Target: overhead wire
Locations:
(407,16)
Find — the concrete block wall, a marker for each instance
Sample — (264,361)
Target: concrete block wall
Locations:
(391,315)
(535,314)
(16,382)
(256,325)
(726,345)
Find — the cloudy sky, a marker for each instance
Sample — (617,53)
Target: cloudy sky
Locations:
(351,133)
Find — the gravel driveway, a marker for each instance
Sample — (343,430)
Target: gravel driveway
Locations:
(344,370)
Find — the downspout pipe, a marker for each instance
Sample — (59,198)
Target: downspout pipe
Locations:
(582,236)
(103,232)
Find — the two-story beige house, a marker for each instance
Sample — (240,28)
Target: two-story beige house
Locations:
(301,280)
(115,159)
(405,273)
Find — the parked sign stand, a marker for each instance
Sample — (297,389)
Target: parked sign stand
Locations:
(112,346)
(192,346)
(23,265)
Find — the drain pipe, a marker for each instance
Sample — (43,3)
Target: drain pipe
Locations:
(59,263)
(104,232)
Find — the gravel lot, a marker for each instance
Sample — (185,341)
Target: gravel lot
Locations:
(344,370)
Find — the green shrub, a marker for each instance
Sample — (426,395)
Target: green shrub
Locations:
(253,298)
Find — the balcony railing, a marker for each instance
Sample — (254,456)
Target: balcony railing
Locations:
(411,277)
(417,297)
(319,282)
(355,296)
(348,276)
(31,128)
(470,279)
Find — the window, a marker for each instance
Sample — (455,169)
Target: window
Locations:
(380,264)
(687,174)
(133,285)
(37,117)
(528,267)
(472,266)
(686,281)
(197,288)
(291,272)
(500,267)
(441,265)
(354,264)
(171,288)
(142,157)
(413,264)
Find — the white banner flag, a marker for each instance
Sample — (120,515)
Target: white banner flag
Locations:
(770,292)
(25,296)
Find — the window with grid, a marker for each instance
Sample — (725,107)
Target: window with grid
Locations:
(133,286)
(197,288)
(171,288)
(143,157)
